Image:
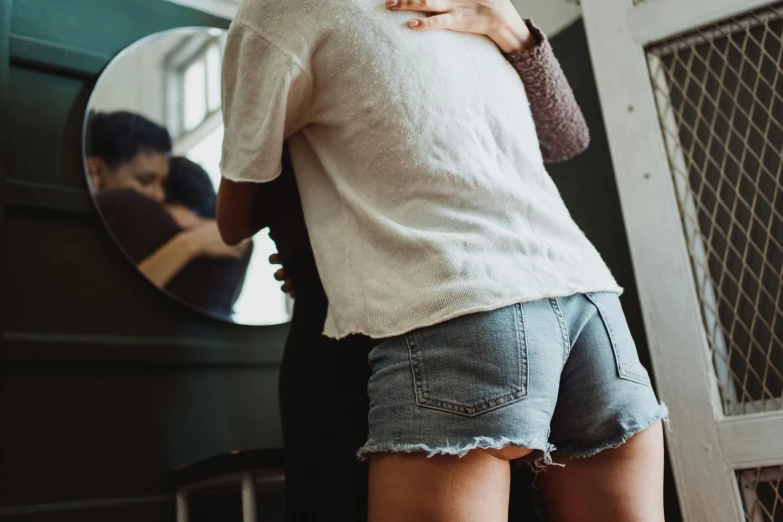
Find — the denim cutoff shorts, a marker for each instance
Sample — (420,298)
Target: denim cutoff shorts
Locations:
(554,374)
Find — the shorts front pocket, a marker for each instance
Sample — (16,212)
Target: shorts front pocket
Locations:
(472,364)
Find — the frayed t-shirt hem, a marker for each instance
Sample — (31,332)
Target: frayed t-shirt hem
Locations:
(338,334)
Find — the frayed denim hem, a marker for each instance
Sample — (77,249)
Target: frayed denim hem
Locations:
(661,414)
(460,450)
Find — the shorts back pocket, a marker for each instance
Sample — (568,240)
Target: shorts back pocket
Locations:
(626,357)
(472,364)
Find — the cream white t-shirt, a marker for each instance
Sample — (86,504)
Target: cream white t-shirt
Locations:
(421,178)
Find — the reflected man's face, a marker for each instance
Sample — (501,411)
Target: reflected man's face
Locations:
(146,173)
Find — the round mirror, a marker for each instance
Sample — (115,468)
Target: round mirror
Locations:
(152,143)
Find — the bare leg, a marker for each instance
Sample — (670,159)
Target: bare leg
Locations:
(617,484)
(409,487)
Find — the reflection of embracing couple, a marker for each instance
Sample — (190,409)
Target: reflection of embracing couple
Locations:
(161,210)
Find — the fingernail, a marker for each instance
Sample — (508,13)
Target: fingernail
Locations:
(413,23)
(391,3)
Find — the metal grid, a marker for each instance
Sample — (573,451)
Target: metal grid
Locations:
(762,494)
(719,94)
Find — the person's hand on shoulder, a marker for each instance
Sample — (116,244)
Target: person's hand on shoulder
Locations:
(496,19)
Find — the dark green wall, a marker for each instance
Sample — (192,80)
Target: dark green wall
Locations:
(106,383)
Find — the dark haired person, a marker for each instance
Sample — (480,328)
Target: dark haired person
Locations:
(126,150)
(190,187)
(128,167)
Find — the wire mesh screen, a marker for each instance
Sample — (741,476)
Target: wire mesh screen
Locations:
(719,94)
(762,494)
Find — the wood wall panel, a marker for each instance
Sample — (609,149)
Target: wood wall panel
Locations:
(106,382)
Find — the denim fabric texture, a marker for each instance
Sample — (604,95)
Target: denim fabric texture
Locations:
(558,374)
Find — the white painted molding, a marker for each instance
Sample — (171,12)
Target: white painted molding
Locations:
(655,21)
(753,440)
(222,8)
(552,16)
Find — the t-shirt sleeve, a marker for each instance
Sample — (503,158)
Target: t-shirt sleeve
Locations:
(266,94)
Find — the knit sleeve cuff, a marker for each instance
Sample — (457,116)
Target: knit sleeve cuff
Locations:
(537,51)
(560,125)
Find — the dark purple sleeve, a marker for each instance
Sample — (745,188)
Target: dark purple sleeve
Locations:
(560,125)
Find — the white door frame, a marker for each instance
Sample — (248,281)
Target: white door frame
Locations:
(707,447)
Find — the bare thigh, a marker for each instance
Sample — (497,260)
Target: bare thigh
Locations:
(409,487)
(625,483)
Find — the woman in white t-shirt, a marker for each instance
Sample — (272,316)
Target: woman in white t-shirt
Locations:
(438,233)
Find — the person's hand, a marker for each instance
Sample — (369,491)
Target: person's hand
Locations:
(496,19)
(288,283)
(207,242)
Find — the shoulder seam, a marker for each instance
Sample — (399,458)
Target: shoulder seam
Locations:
(291,56)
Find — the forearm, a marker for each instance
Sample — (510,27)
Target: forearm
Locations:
(240,210)
(166,262)
(560,124)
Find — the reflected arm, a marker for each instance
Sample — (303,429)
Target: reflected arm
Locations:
(163,264)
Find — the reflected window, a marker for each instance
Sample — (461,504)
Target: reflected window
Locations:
(207,154)
(193,88)
(194,95)
(213,77)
